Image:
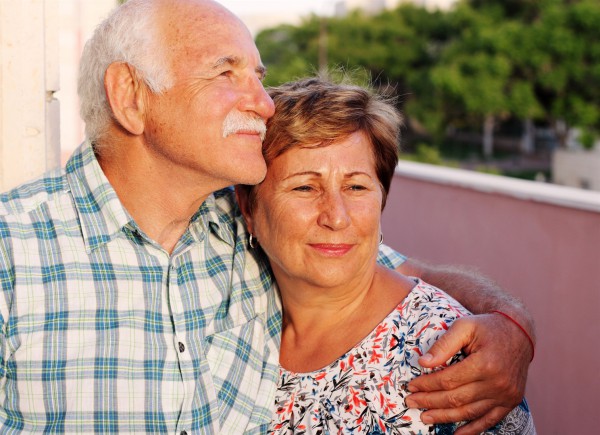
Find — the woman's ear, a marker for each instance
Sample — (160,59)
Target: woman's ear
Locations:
(125,95)
(242,194)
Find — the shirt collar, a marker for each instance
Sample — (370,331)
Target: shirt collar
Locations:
(103,217)
(101,214)
(224,213)
(217,214)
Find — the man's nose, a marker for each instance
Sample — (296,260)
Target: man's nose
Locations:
(257,100)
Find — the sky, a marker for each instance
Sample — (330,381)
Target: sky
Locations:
(256,7)
(259,14)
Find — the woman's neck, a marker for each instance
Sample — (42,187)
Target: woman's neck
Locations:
(321,324)
(307,306)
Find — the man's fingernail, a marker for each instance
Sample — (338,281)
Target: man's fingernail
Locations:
(427,357)
(426,419)
(410,403)
(412,388)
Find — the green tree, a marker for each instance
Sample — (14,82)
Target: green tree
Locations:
(482,62)
(289,51)
(555,57)
(570,68)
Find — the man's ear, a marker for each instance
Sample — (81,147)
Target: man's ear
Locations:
(241,194)
(125,95)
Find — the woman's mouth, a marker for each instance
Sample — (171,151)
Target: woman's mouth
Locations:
(332,249)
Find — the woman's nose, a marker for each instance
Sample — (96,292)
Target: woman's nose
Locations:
(334,212)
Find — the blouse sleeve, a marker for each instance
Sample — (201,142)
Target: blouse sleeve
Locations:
(432,312)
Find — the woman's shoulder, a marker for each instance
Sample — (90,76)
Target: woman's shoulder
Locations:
(428,313)
(422,312)
(426,301)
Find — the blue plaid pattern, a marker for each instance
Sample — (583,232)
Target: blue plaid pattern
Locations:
(104,332)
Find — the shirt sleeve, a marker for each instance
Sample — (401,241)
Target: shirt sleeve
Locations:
(6,286)
(389,258)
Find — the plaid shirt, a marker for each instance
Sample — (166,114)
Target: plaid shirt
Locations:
(104,331)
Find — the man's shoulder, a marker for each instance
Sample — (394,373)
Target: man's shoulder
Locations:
(33,194)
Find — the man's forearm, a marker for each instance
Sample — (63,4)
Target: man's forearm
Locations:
(476,292)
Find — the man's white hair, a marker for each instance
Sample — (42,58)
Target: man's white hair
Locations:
(129,34)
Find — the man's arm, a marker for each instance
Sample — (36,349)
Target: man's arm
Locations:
(487,384)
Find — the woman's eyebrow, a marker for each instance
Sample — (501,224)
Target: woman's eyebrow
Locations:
(297,174)
(318,174)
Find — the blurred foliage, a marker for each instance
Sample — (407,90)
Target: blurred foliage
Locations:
(425,153)
(488,169)
(587,139)
(483,60)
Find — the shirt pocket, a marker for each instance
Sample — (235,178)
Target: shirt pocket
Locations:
(240,363)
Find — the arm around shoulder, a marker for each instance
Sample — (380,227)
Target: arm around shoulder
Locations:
(476,292)
(498,341)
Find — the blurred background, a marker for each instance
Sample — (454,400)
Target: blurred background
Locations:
(500,155)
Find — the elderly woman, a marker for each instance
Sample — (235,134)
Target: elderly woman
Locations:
(352,329)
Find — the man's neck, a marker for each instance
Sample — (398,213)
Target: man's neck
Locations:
(159,196)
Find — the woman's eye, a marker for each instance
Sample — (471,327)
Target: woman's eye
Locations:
(357,187)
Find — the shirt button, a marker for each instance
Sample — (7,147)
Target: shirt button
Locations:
(181,349)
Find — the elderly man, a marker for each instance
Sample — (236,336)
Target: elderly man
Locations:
(130,302)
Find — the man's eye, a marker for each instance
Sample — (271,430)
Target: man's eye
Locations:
(303,188)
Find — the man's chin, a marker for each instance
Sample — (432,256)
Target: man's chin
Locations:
(257,179)
(253,174)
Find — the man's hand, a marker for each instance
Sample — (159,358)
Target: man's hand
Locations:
(485,386)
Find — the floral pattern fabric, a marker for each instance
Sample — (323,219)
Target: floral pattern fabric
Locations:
(363,391)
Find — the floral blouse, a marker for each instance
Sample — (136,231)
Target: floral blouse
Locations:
(363,391)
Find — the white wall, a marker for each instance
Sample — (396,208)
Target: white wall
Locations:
(40,47)
(78,19)
(29,76)
(577,168)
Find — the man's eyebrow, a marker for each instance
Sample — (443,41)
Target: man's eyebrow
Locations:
(229,60)
(260,70)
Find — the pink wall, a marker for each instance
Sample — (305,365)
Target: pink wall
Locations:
(547,255)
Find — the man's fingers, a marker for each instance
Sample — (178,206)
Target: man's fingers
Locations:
(452,377)
(449,344)
(484,422)
(455,398)
(489,412)
(480,389)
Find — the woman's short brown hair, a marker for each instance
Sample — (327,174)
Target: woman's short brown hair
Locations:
(316,112)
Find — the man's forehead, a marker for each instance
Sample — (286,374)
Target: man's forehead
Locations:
(210,37)
(192,21)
